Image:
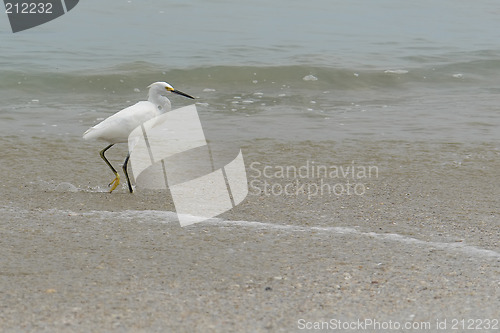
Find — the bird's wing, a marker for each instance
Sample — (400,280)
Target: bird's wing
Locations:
(116,128)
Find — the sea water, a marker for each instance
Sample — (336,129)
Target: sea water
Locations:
(288,70)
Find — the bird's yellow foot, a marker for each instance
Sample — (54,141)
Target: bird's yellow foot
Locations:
(114,183)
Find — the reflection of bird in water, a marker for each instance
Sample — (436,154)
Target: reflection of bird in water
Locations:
(116,128)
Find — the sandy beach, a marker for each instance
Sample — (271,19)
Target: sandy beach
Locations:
(419,247)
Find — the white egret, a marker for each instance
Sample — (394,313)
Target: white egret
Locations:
(116,128)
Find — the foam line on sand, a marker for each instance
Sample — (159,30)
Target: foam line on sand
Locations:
(153,216)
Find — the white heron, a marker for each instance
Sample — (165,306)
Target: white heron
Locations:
(116,128)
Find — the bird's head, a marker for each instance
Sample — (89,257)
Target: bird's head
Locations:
(163,87)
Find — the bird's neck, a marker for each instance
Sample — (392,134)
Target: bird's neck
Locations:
(161,102)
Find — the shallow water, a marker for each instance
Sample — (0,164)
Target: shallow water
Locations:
(285,102)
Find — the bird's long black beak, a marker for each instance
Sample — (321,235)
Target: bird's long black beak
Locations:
(182,94)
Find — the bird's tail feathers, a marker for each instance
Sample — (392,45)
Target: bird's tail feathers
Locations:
(89,134)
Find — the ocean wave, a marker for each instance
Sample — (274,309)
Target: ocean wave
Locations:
(169,217)
(135,76)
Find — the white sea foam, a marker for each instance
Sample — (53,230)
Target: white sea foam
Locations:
(310,78)
(65,187)
(167,217)
(396,71)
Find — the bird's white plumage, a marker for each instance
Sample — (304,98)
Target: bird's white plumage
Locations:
(116,128)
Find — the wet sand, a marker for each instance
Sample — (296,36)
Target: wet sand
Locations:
(420,245)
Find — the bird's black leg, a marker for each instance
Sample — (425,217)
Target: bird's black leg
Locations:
(126,173)
(115,181)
